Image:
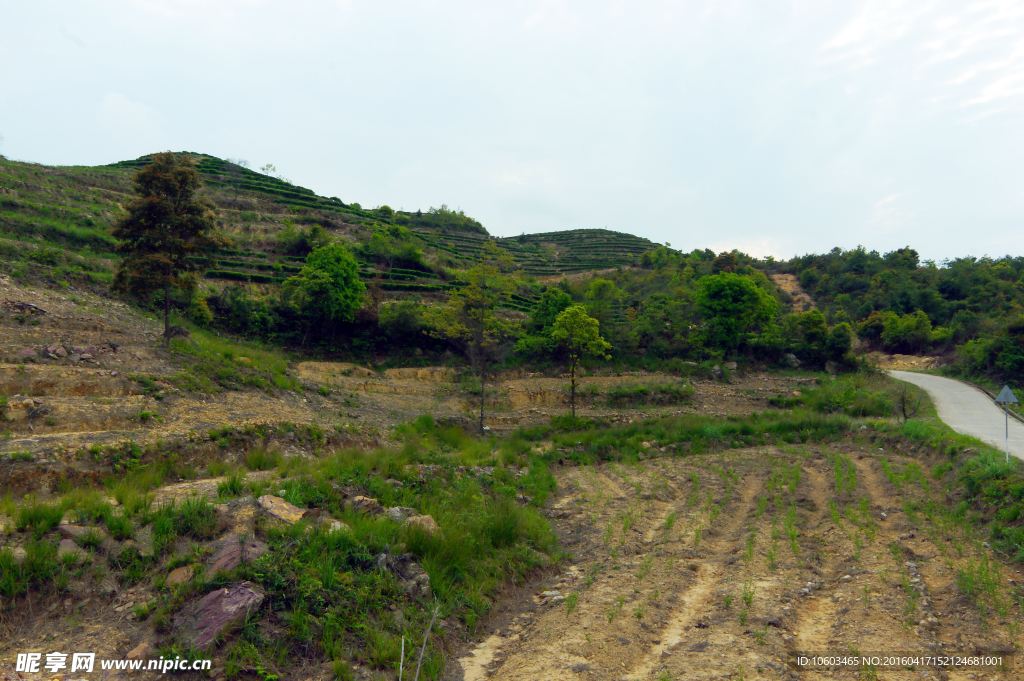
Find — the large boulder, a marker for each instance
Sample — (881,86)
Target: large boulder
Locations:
(217,614)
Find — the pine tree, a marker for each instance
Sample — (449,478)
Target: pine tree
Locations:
(166,225)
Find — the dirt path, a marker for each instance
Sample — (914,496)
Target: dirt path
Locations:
(770,554)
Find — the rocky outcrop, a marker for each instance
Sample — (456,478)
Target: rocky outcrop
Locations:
(217,614)
(279,509)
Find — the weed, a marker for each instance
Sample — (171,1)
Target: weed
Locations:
(259,459)
(645,567)
(728,601)
(232,486)
(570,603)
(38,517)
(613,611)
(748,594)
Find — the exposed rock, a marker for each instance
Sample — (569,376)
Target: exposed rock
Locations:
(791,360)
(180,575)
(27,352)
(19,554)
(234,551)
(399,514)
(361,504)
(716,371)
(338,526)
(78,532)
(425,523)
(217,614)
(140,652)
(413,578)
(277,507)
(730,366)
(68,547)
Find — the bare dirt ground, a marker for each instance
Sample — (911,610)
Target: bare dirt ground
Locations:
(59,406)
(789,284)
(728,566)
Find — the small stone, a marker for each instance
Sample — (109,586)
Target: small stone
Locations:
(113,373)
(140,652)
(180,575)
(361,504)
(338,526)
(19,554)
(425,523)
(68,547)
(60,351)
(234,551)
(399,514)
(550,594)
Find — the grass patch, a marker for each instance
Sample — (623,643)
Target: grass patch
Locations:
(217,363)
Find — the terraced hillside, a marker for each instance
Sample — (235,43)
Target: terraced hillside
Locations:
(552,254)
(55,222)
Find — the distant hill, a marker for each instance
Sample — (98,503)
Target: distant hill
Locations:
(62,215)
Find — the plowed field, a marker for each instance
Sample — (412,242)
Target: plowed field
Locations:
(732,565)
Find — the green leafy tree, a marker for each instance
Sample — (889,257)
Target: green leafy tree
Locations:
(603,294)
(579,334)
(550,303)
(167,224)
(328,288)
(472,317)
(733,305)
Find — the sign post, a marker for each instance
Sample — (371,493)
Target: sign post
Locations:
(1006,397)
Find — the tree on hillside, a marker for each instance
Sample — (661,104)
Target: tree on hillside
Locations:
(167,224)
(603,294)
(550,303)
(579,334)
(472,317)
(731,306)
(328,288)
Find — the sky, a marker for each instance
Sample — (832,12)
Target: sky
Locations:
(778,128)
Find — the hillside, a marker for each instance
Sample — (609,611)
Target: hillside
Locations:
(309,511)
(72,208)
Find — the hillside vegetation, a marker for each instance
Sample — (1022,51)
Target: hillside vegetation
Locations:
(301,492)
(970,309)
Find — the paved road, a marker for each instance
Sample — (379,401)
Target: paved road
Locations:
(968,410)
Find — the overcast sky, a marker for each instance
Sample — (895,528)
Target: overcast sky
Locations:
(774,127)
